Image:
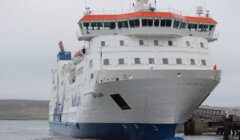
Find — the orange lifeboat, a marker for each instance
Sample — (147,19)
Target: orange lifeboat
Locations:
(78,53)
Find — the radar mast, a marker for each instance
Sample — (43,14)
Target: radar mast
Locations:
(142,5)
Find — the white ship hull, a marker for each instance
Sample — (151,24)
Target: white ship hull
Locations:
(138,76)
(156,102)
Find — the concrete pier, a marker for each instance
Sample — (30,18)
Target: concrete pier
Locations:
(229,128)
(194,126)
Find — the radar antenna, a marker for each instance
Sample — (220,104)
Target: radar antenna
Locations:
(199,10)
(88,11)
(142,5)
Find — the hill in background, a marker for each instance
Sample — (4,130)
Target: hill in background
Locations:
(38,110)
(23,110)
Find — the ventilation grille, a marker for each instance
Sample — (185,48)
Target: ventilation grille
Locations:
(120,101)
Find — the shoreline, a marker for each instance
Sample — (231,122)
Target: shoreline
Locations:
(23,119)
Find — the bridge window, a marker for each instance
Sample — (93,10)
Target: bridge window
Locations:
(156,22)
(204,63)
(109,25)
(120,61)
(99,25)
(211,27)
(122,24)
(176,24)
(96,25)
(165,61)
(86,25)
(134,23)
(93,26)
(147,22)
(144,22)
(203,28)
(183,25)
(192,62)
(106,62)
(151,61)
(192,27)
(80,25)
(166,23)
(137,60)
(179,61)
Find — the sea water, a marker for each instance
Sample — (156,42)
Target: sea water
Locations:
(39,130)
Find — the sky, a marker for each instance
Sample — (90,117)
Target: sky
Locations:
(31,29)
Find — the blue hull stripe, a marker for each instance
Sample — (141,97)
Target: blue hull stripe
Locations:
(116,131)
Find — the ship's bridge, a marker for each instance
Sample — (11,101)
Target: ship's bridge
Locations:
(146,23)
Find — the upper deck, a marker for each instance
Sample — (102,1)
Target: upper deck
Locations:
(146,23)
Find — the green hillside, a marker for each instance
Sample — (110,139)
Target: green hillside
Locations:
(23,109)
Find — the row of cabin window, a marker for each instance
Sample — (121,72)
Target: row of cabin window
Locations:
(165,61)
(134,23)
(80,70)
(202,45)
(156,43)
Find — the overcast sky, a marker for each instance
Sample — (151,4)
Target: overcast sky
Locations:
(31,29)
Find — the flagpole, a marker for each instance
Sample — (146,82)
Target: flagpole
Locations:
(86,4)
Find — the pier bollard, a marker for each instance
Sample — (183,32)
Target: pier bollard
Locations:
(225,136)
(238,135)
(233,132)
(236,132)
(220,131)
(226,129)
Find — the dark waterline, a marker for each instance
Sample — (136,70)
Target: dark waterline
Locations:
(39,130)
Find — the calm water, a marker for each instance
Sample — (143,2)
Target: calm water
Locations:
(39,130)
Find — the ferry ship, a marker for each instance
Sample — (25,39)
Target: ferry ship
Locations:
(138,76)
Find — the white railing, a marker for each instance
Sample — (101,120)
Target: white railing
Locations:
(78,33)
(111,12)
(214,36)
(174,11)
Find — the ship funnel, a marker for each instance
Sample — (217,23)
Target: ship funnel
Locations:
(61,47)
(62,55)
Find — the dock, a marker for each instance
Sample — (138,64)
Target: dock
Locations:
(218,120)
